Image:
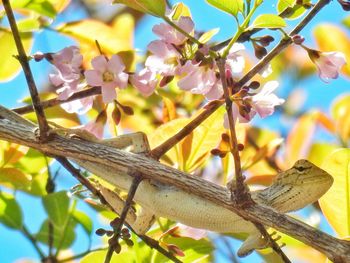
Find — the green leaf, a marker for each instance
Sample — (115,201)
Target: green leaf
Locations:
(195,250)
(346,22)
(291,9)
(10,211)
(84,220)
(153,7)
(229,6)
(268,21)
(180,9)
(39,6)
(28,24)
(34,164)
(9,66)
(57,207)
(335,204)
(63,238)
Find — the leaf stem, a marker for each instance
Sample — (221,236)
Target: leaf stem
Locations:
(32,240)
(240,30)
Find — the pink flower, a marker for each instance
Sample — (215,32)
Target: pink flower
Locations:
(195,233)
(328,63)
(170,35)
(238,115)
(165,58)
(264,101)
(235,61)
(108,74)
(67,73)
(68,60)
(199,80)
(145,81)
(80,106)
(96,127)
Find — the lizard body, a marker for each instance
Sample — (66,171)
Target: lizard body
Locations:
(302,184)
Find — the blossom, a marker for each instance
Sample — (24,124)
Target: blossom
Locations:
(96,126)
(328,63)
(145,81)
(264,101)
(67,64)
(196,79)
(172,36)
(235,61)
(79,106)
(108,74)
(165,58)
(238,115)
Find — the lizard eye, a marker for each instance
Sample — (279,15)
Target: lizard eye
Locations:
(300,168)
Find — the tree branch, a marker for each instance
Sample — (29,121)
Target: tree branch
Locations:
(335,249)
(23,59)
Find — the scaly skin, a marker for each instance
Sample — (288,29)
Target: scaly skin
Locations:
(293,189)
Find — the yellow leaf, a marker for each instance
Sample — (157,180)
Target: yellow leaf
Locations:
(191,153)
(335,204)
(331,38)
(13,153)
(86,32)
(9,66)
(341,114)
(299,139)
(14,178)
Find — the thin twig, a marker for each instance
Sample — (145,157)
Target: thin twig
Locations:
(53,102)
(128,202)
(76,173)
(23,59)
(239,191)
(32,240)
(155,245)
(164,147)
(160,150)
(231,253)
(282,44)
(272,243)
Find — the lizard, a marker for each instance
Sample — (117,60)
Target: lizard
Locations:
(300,185)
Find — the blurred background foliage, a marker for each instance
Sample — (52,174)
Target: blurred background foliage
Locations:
(314,123)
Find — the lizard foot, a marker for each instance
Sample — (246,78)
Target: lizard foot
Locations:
(254,241)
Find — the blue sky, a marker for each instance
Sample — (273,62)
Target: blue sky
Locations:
(205,17)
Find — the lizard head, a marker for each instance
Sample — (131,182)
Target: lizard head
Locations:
(302,184)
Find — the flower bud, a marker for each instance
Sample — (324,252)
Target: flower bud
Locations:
(265,40)
(298,39)
(345,4)
(259,51)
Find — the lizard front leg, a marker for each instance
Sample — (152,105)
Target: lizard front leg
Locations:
(139,223)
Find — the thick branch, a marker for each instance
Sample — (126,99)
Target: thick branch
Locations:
(335,249)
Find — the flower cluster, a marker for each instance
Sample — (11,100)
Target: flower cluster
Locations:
(175,56)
